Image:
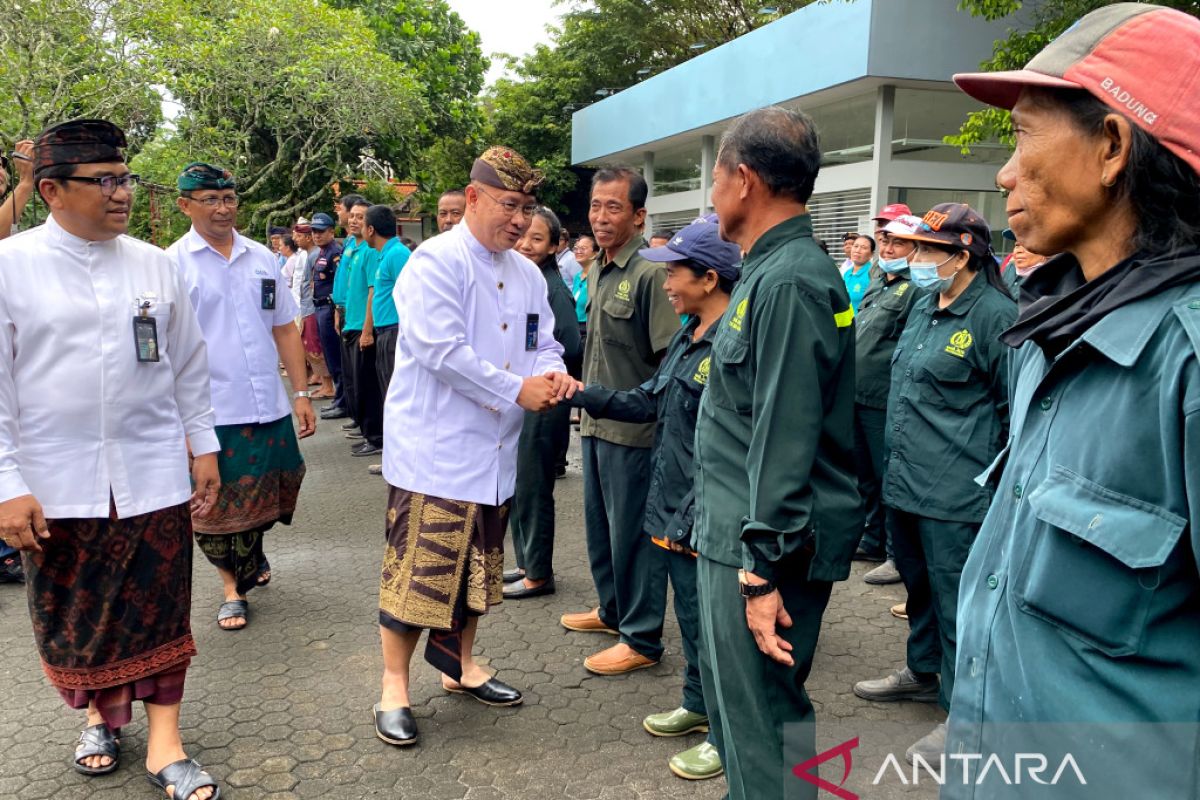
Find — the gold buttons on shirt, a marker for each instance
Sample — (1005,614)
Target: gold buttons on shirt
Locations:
(503,326)
(500,285)
(507,364)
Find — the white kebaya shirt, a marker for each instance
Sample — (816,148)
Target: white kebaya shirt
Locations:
(228,299)
(81,419)
(473,324)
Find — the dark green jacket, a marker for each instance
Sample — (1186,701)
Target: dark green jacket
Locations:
(948,408)
(776,490)
(671,398)
(879,321)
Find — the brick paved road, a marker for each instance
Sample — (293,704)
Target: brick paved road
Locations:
(282,710)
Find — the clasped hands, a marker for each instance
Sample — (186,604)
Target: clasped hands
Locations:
(544,392)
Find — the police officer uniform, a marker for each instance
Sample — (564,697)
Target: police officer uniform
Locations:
(324,271)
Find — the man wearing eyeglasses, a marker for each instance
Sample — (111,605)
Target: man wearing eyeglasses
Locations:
(246,312)
(475,350)
(105,389)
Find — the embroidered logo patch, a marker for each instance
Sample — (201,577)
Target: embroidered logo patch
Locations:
(701,376)
(623,290)
(739,315)
(902,289)
(960,343)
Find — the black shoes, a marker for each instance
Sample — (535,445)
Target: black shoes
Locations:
(865,555)
(396,726)
(333,412)
(365,449)
(11,570)
(517,590)
(492,693)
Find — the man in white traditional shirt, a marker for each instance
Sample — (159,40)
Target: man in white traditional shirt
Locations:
(476,349)
(104,387)
(246,312)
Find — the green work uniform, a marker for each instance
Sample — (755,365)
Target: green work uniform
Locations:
(630,324)
(947,419)
(670,399)
(1080,608)
(776,493)
(880,320)
(543,435)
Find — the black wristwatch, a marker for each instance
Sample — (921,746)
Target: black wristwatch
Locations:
(753,589)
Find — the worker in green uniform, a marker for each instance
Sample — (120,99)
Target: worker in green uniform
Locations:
(777,509)
(880,320)
(630,324)
(701,272)
(544,435)
(1079,623)
(947,419)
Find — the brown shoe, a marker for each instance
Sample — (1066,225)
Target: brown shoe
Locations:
(900,610)
(617,660)
(586,621)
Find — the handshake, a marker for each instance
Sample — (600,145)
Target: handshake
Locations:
(543,392)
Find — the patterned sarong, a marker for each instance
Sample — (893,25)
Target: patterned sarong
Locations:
(444,561)
(312,346)
(110,601)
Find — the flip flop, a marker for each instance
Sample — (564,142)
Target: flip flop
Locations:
(97,740)
(186,776)
(264,573)
(232,609)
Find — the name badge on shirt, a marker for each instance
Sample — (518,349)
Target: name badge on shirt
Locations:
(531,332)
(268,294)
(145,335)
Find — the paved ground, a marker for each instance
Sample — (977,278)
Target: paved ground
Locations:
(282,710)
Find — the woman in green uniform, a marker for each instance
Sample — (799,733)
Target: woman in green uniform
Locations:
(947,420)
(701,271)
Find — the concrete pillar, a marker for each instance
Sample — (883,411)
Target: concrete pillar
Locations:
(648,174)
(885,117)
(708,157)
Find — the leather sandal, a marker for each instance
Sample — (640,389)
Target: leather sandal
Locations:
(97,740)
(186,776)
(232,609)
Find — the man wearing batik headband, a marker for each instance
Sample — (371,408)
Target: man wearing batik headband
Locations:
(475,350)
(105,391)
(246,312)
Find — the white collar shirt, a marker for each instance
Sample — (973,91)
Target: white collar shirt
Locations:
(568,267)
(473,325)
(228,298)
(84,423)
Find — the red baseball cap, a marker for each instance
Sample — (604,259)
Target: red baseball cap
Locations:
(1141,60)
(891,212)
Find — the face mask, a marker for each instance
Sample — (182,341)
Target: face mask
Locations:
(925,275)
(893,266)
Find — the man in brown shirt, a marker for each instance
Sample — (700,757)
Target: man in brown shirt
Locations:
(630,324)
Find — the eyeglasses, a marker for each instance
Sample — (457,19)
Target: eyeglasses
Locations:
(108,183)
(509,207)
(230,201)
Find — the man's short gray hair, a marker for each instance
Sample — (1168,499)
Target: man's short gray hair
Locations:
(779,145)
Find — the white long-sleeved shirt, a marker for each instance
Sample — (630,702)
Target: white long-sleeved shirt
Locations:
(227,297)
(568,267)
(81,419)
(451,421)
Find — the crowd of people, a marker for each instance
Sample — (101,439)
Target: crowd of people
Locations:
(1015,442)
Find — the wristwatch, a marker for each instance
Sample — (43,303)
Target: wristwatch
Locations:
(753,589)
(298,395)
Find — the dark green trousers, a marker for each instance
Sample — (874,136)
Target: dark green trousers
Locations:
(629,570)
(760,718)
(531,518)
(682,570)
(930,554)
(870,456)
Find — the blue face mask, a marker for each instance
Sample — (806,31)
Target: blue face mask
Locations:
(925,275)
(894,266)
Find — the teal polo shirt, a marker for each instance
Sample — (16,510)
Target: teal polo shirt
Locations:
(391,260)
(358,284)
(351,248)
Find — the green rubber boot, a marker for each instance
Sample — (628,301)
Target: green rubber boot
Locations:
(698,764)
(675,723)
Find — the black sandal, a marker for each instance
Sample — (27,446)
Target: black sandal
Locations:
(97,740)
(232,609)
(264,573)
(186,776)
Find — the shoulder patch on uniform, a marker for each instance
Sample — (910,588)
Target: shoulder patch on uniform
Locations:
(739,314)
(902,289)
(623,290)
(701,376)
(960,343)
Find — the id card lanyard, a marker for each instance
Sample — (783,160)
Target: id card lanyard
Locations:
(145,333)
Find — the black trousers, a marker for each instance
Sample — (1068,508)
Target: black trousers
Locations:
(930,554)
(331,346)
(385,355)
(349,349)
(532,517)
(870,459)
(362,387)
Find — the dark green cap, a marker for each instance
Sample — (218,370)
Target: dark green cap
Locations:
(199,175)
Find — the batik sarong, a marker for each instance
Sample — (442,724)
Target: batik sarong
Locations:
(311,336)
(444,561)
(110,601)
